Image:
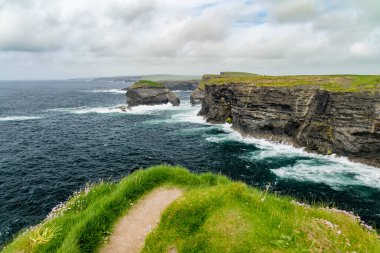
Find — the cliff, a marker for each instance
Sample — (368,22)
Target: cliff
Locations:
(150,93)
(197,96)
(343,119)
(181,85)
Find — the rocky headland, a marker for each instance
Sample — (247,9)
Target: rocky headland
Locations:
(197,96)
(145,92)
(324,114)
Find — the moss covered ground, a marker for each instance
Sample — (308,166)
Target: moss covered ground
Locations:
(215,214)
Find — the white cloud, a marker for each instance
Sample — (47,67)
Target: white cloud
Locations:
(21,30)
(360,49)
(294,10)
(65,38)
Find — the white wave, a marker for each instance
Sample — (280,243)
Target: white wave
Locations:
(183,113)
(336,175)
(84,110)
(152,109)
(190,114)
(101,110)
(141,109)
(337,172)
(19,118)
(267,148)
(115,91)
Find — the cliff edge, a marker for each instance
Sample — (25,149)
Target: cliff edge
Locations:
(197,96)
(207,213)
(324,114)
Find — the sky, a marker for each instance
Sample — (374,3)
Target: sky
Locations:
(60,39)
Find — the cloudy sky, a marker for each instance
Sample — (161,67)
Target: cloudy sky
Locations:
(57,39)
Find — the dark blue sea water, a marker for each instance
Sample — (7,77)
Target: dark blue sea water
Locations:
(55,136)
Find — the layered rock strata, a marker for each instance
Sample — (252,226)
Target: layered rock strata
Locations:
(344,123)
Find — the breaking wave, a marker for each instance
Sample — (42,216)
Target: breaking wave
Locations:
(115,91)
(19,118)
(122,108)
(152,109)
(337,172)
(85,110)
(334,174)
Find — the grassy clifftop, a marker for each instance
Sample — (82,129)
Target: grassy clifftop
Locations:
(147,84)
(214,215)
(338,83)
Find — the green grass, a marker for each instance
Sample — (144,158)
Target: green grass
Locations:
(334,83)
(232,74)
(164,77)
(214,215)
(147,84)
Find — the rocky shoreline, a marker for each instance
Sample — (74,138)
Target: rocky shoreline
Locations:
(325,122)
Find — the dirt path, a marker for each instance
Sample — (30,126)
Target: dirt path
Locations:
(130,232)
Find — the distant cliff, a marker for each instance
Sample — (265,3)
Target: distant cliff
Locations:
(181,85)
(146,92)
(336,114)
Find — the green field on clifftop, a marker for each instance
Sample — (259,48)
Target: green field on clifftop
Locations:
(335,83)
(215,214)
(147,84)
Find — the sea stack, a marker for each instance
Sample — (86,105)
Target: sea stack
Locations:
(145,92)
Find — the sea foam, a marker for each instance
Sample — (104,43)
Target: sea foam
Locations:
(85,110)
(337,172)
(151,109)
(19,118)
(337,175)
(114,91)
(122,108)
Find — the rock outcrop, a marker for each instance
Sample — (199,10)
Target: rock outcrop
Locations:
(326,122)
(150,96)
(197,96)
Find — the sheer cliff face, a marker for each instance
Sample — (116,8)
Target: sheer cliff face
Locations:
(347,124)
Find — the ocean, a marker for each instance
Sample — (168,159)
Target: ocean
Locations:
(56,136)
